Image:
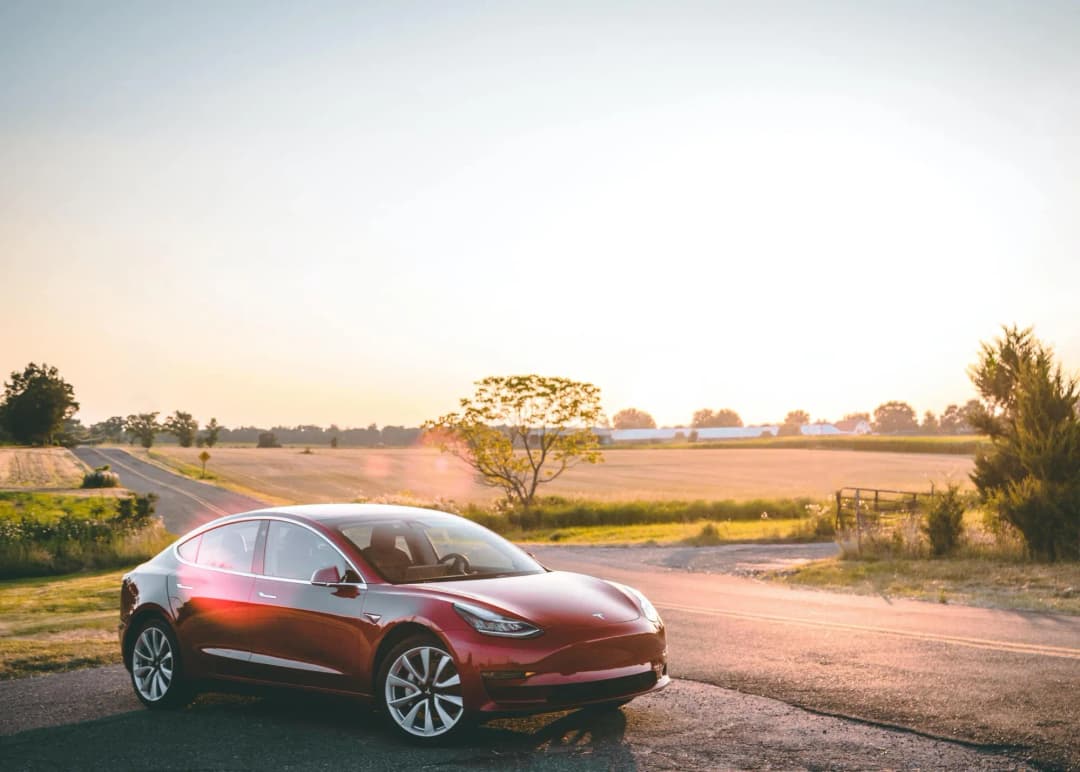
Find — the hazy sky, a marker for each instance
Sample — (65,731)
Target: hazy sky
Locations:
(344,212)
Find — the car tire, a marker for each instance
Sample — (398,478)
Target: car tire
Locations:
(419,690)
(157,674)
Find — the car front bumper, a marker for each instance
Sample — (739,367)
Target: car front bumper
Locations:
(564,669)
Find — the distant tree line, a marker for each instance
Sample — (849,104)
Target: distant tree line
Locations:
(182,429)
(893,417)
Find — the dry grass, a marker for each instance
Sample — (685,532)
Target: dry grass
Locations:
(60,623)
(39,469)
(974,582)
(346,474)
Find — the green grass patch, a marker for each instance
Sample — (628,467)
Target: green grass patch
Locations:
(43,534)
(60,623)
(1011,584)
(725,532)
(553,513)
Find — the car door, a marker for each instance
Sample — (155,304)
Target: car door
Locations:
(210,592)
(303,633)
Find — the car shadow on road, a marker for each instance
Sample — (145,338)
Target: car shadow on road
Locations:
(305,731)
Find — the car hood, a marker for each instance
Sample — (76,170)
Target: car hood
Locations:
(552,599)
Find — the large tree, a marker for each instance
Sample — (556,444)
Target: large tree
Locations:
(144,427)
(1031,473)
(792,423)
(707,418)
(521,431)
(894,417)
(632,418)
(182,426)
(109,430)
(36,403)
(213,429)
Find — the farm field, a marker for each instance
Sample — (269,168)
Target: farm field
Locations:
(346,474)
(39,468)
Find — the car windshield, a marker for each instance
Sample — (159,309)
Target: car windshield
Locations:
(436,549)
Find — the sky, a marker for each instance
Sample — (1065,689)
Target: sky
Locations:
(283,213)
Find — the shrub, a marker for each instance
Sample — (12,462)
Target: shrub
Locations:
(708,536)
(268,440)
(101,477)
(1030,475)
(944,525)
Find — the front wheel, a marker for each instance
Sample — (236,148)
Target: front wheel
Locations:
(420,689)
(156,671)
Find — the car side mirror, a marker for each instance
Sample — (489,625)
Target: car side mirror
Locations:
(351,577)
(325,577)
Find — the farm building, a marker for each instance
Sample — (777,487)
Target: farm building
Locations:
(853,426)
(736,432)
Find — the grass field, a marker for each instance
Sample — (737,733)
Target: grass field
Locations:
(39,469)
(347,474)
(62,623)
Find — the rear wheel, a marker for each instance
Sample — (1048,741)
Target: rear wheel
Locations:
(156,670)
(420,689)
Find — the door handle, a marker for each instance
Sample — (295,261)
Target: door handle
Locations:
(267,595)
(184,586)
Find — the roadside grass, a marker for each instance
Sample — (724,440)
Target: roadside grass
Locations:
(990,568)
(195,472)
(666,534)
(39,468)
(59,623)
(985,582)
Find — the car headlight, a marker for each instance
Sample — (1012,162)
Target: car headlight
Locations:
(647,608)
(489,623)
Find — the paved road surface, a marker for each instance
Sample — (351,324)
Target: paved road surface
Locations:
(182,503)
(998,678)
(90,720)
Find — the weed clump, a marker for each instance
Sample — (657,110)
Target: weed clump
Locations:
(944,525)
(101,477)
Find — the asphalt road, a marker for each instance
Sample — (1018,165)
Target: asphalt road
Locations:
(1000,679)
(183,503)
(90,720)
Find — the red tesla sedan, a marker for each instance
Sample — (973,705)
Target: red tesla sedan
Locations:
(436,619)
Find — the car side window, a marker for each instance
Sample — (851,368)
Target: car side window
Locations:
(230,547)
(294,552)
(189,550)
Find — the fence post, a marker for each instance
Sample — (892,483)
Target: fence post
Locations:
(859,523)
(839,523)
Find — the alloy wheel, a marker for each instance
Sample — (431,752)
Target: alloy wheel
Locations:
(423,692)
(152,664)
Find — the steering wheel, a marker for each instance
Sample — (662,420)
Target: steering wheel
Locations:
(456,561)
